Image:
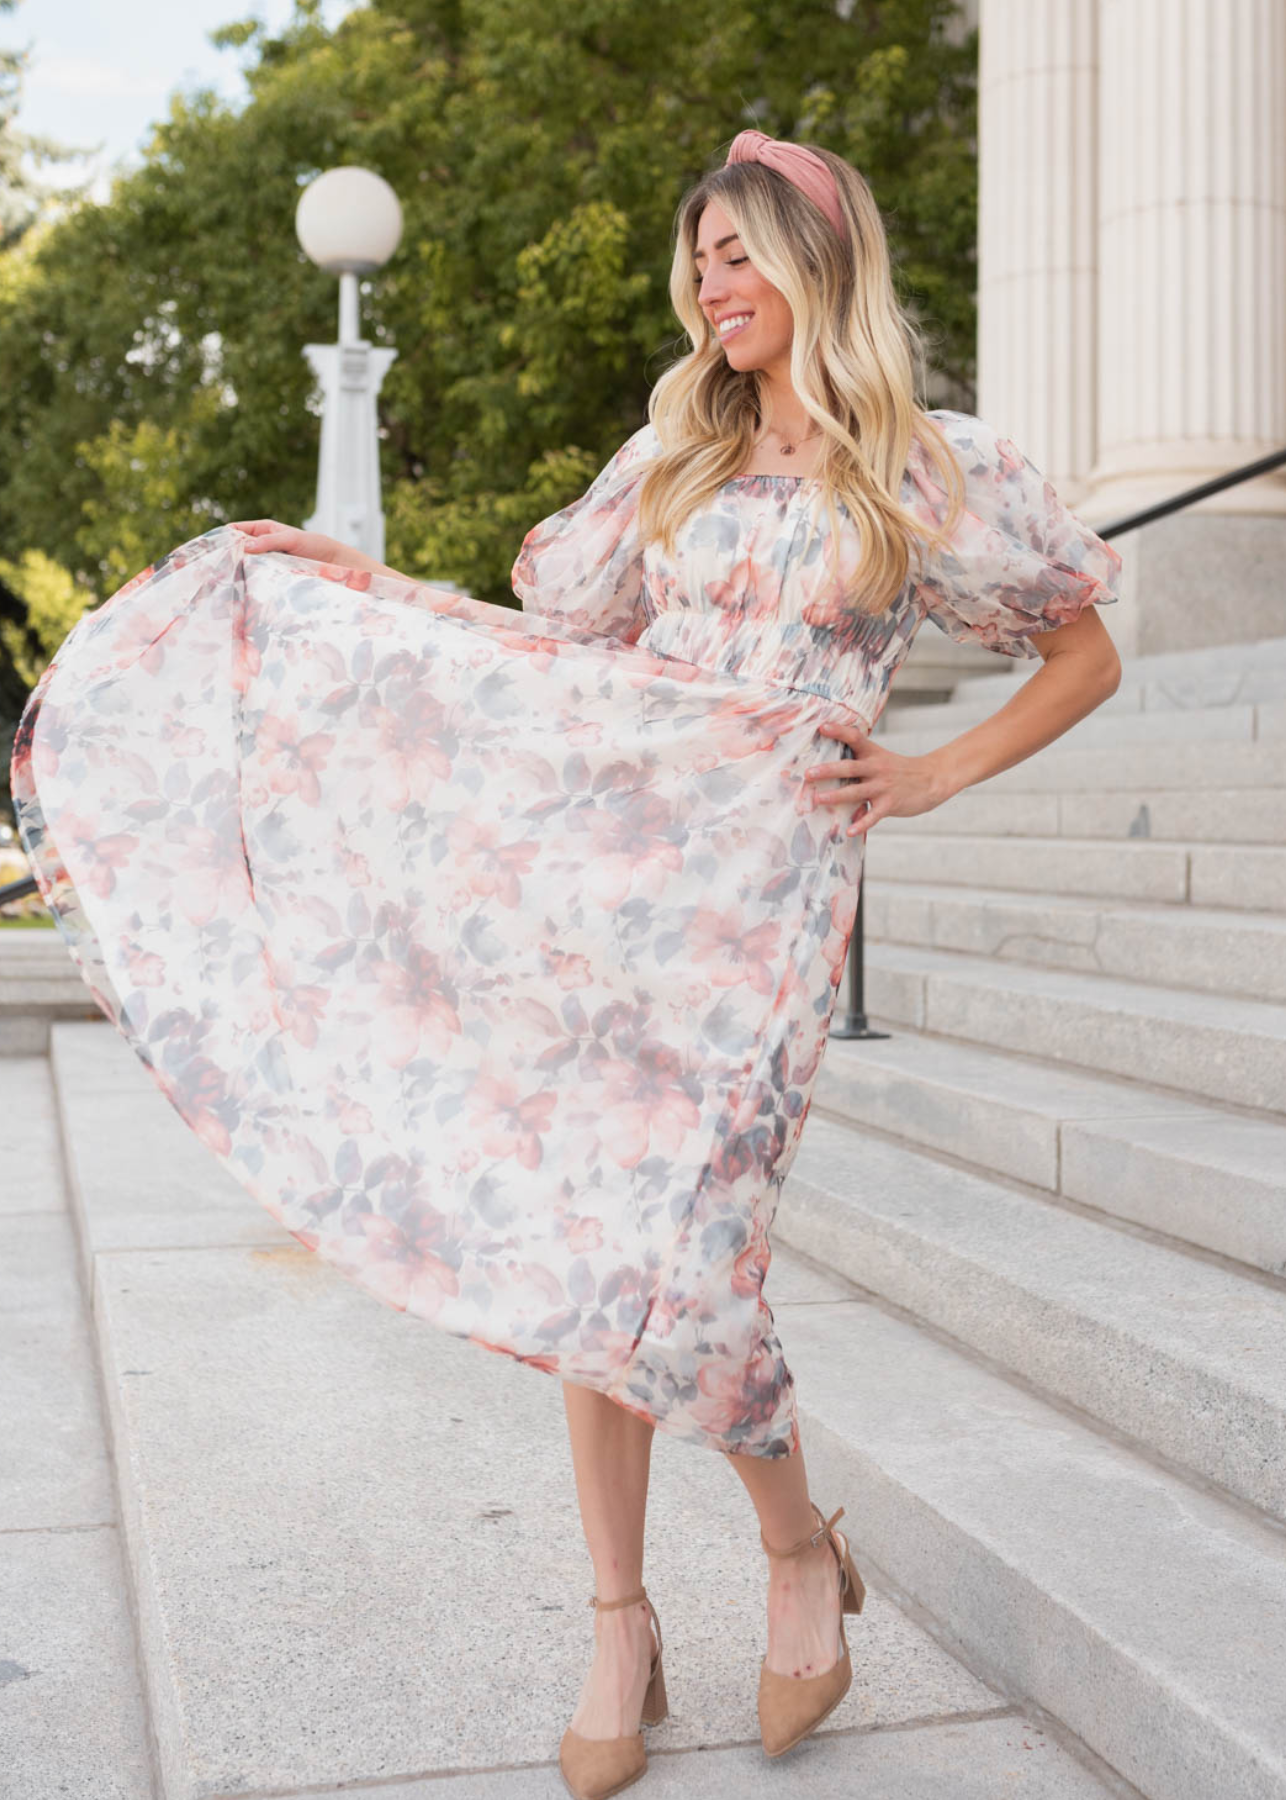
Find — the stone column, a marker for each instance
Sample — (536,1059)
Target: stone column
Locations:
(1037,160)
(1192,311)
(1192,248)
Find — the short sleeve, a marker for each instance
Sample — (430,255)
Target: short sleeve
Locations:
(1019,562)
(584,565)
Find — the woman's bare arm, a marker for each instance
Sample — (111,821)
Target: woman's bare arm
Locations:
(1081,669)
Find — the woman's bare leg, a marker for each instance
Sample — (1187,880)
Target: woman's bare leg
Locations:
(611,1457)
(803,1591)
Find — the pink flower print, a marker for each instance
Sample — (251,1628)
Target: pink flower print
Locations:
(400,1269)
(297,1006)
(736,953)
(644,1102)
(292,761)
(832,603)
(631,848)
(356,869)
(139,638)
(721,1383)
(354,1119)
(432,1283)
(210,874)
(351,578)
(571,969)
(1012,462)
(146,968)
(181,739)
(414,1005)
(741,726)
(493,868)
(642,673)
(751,1266)
(92,857)
(196,1092)
(738,1394)
(588,731)
(542,1281)
(671,1308)
(584,1234)
(375,624)
(411,753)
(541,652)
(752,589)
(510,1126)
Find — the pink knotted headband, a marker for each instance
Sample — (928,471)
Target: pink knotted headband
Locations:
(803,167)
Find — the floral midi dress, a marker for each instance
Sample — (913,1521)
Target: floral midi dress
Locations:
(494,952)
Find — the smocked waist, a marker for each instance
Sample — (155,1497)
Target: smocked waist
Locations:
(783,654)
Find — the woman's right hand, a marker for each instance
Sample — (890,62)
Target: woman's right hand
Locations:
(271,534)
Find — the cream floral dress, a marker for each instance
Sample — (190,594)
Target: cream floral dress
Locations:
(494,952)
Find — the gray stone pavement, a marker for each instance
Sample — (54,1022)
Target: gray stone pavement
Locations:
(340,1551)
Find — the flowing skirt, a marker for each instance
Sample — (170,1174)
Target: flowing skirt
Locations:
(493,957)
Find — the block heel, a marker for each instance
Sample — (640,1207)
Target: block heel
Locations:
(593,1768)
(792,1706)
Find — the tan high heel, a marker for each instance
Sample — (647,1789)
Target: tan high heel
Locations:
(593,1768)
(790,1706)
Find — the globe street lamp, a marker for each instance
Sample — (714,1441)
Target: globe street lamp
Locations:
(349,223)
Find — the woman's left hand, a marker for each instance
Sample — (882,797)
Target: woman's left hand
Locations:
(880,783)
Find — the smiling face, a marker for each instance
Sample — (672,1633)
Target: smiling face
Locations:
(731,289)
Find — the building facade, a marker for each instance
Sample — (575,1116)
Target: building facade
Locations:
(1132,286)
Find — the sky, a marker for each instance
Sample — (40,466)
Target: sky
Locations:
(101,71)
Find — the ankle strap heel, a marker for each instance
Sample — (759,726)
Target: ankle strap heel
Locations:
(852,1587)
(593,1768)
(791,1706)
(656,1705)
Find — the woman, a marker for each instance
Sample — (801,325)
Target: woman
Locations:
(495,953)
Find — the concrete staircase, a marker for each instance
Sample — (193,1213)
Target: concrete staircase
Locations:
(1061,1185)
(1031,1278)
(39,983)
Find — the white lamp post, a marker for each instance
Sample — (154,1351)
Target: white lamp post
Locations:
(349,222)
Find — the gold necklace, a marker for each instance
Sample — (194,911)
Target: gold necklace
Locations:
(789,449)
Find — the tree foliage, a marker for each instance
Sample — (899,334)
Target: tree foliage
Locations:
(150,345)
(24,196)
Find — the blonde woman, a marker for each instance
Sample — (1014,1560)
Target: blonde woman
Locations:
(495,953)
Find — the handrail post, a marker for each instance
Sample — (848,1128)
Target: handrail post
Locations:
(854,1023)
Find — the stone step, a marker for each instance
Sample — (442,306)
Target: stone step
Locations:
(1204,1175)
(1214,1046)
(1202,948)
(1254,815)
(1244,687)
(1145,1612)
(1240,877)
(1216,668)
(1183,1356)
(1151,767)
(901,730)
(344,1526)
(72,1721)
(27,1009)
(39,982)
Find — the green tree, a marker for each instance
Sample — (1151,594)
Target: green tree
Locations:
(150,345)
(23,195)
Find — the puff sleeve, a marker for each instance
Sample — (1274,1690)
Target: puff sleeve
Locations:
(584,565)
(1019,562)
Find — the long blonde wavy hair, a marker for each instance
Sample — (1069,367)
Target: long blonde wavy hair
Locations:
(854,358)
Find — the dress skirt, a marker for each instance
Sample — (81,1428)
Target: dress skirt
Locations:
(494,957)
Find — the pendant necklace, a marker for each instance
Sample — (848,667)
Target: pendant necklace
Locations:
(789,449)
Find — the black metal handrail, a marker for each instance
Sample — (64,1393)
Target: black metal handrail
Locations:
(853,1022)
(18,890)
